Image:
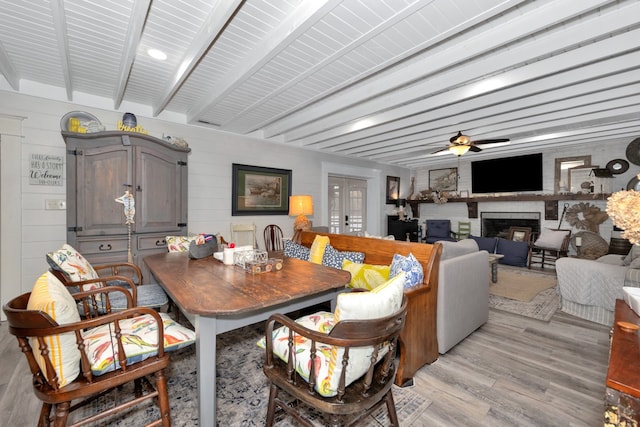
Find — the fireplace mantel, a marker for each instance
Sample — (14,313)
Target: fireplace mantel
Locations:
(550,205)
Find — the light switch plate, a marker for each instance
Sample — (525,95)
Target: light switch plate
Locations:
(55,204)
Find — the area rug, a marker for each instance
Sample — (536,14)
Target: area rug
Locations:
(242,390)
(541,307)
(521,285)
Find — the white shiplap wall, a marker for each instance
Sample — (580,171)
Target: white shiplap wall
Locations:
(210,162)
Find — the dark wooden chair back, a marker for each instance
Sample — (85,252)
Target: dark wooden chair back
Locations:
(548,256)
(36,325)
(358,399)
(273,238)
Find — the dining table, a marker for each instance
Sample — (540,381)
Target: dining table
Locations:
(218,298)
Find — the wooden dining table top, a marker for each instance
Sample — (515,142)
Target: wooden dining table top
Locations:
(210,288)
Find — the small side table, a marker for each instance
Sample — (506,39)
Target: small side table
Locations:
(493,263)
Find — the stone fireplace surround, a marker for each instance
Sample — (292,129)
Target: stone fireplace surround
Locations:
(496,224)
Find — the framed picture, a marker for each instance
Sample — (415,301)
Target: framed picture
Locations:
(519,234)
(444,179)
(257,190)
(393,189)
(581,180)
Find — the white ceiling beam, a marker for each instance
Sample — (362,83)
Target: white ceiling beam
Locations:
(213,25)
(137,21)
(237,124)
(300,20)
(476,45)
(60,25)
(7,69)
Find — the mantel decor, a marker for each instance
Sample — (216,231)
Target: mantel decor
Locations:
(257,190)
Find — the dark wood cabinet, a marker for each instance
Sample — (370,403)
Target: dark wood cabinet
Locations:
(101,166)
(401,229)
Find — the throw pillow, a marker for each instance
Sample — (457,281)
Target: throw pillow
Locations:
(551,239)
(178,243)
(334,258)
(634,253)
(366,276)
(296,250)
(50,296)
(71,263)
(485,243)
(317,249)
(414,274)
(515,252)
(142,342)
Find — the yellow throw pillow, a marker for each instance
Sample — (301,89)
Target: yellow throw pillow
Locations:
(366,276)
(317,249)
(50,296)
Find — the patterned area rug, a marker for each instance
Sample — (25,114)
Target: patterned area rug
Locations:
(541,307)
(242,390)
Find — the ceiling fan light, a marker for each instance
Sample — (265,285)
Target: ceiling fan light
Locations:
(459,150)
(463,139)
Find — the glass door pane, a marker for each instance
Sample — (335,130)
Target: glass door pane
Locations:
(347,205)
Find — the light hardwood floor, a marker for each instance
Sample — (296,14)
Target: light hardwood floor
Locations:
(514,371)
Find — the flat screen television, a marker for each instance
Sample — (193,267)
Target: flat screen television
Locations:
(507,174)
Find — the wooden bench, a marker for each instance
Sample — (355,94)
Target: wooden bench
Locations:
(418,340)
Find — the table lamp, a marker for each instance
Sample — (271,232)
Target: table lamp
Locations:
(299,206)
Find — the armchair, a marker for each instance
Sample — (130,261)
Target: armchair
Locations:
(344,369)
(439,229)
(75,360)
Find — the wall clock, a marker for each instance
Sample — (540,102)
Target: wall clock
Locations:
(633,151)
(618,166)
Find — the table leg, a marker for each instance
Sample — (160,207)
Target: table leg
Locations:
(494,272)
(206,367)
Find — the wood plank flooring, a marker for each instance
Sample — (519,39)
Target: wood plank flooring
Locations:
(514,371)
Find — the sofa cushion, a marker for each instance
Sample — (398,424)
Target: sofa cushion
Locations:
(296,250)
(50,296)
(634,253)
(410,266)
(456,249)
(366,276)
(334,258)
(485,243)
(515,253)
(551,239)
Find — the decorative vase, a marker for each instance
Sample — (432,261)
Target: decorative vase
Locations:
(129,120)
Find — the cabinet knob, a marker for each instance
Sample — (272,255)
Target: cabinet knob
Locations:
(104,247)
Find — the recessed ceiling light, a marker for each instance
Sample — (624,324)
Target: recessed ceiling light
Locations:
(157,54)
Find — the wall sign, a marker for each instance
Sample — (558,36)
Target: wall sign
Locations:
(46,169)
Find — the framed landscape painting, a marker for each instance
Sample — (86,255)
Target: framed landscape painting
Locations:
(443,179)
(257,190)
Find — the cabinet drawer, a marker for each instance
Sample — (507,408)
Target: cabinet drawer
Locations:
(102,245)
(152,242)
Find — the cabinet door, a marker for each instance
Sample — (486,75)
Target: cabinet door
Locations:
(102,175)
(160,191)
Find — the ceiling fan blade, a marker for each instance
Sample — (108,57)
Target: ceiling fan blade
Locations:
(475,149)
(490,141)
(440,150)
(453,139)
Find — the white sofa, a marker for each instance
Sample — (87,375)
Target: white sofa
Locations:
(589,288)
(463,292)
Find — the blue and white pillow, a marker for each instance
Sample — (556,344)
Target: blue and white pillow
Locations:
(412,268)
(296,250)
(333,257)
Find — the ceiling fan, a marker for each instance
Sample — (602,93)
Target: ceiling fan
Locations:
(460,144)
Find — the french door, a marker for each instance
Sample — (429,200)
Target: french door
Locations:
(347,205)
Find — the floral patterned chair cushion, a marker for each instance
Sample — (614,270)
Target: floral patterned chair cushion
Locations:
(384,300)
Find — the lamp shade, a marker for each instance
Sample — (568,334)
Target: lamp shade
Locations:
(300,205)
(459,150)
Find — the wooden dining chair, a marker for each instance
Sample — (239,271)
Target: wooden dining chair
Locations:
(243,235)
(273,238)
(73,360)
(345,373)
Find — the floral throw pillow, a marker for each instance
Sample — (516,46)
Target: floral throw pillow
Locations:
(71,263)
(334,258)
(414,274)
(366,276)
(296,250)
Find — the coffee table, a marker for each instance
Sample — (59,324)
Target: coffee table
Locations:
(217,298)
(493,262)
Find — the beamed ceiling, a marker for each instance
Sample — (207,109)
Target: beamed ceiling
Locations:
(385,80)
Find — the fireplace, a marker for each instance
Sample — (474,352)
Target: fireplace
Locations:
(496,224)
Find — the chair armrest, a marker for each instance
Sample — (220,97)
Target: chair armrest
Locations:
(116,267)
